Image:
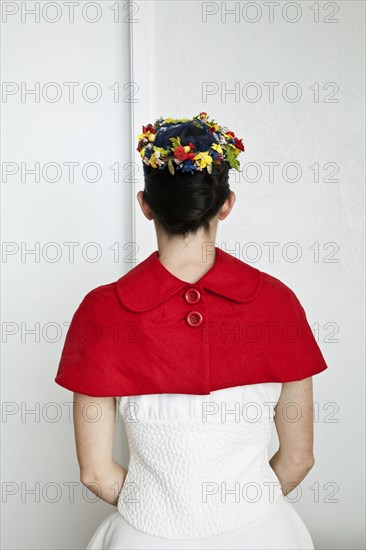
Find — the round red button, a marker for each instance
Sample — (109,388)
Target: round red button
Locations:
(192,296)
(194,318)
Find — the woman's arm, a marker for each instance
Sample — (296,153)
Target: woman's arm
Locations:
(94,433)
(294,422)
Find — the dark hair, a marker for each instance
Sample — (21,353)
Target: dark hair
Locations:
(185,202)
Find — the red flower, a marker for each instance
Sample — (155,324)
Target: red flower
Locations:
(180,154)
(239,144)
(231,134)
(149,128)
(191,145)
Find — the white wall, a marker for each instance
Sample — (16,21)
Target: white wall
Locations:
(41,293)
(189,52)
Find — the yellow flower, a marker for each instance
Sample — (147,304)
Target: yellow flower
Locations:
(150,136)
(163,152)
(204,159)
(153,160)
(217,147)
(236,150)
(175,120)
(142,152)
(216,127)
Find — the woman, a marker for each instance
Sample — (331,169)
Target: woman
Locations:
(199,352)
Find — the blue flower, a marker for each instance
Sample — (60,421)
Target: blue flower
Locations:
(188,166)
(214,154)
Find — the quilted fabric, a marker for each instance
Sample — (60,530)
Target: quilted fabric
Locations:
(199,464)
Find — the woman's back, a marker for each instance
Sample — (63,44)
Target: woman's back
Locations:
(197,368)
(199,475)
(199,463)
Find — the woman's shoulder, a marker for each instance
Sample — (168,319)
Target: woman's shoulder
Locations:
(243,280)
(276,286)
(268,283)
(100,298)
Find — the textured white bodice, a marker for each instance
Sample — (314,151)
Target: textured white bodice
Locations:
(199,463)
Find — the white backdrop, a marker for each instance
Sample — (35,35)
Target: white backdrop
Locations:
(297,73)
(88,46)
(296,78)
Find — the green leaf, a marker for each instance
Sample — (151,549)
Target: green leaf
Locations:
(175,142)
(231,158)
(163,152)
(171,167)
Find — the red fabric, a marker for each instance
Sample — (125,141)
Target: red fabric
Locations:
(131,336)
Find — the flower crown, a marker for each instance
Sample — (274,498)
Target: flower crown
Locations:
(219,145)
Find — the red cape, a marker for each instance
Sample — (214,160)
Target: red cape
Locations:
(143,333)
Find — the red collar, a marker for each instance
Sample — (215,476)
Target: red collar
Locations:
(149,282)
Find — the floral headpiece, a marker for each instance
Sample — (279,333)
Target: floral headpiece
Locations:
(218,144)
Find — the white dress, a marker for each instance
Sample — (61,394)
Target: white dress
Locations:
(199,475)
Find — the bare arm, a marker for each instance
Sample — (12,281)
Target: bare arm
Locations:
(294,422)
(94,433)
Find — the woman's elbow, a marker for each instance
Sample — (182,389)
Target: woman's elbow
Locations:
(303,461)
(88,476)
(85,479)
(296,460)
